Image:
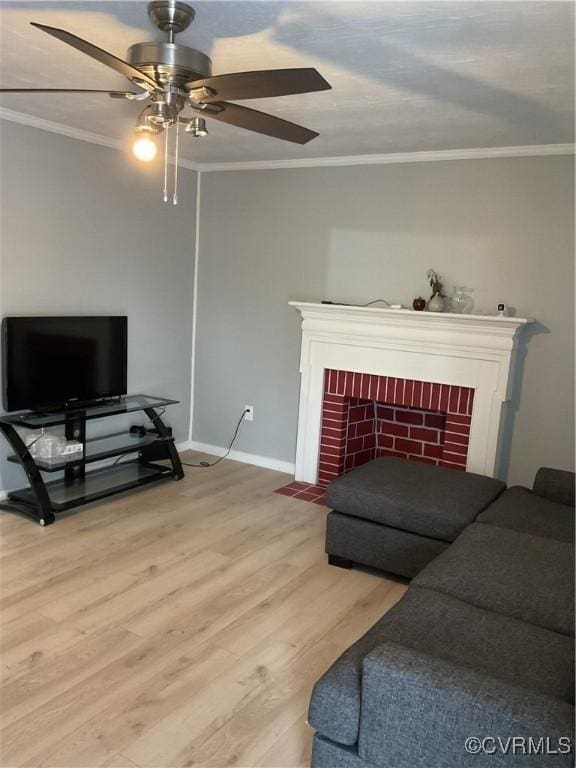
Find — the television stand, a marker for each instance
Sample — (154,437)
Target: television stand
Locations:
(43,500)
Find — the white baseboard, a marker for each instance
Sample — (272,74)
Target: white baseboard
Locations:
(244,458)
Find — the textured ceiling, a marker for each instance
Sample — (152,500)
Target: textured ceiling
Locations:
(406,76)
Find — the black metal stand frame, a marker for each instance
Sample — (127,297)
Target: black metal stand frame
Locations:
(42,509)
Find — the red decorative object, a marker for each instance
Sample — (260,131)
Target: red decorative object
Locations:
(366,416)
(419,304)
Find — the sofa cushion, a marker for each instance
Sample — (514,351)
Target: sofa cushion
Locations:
(420,498)
(556,485)
(516,574)
(521,510)
(442,626)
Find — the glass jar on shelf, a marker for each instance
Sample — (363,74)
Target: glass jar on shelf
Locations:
(462,301)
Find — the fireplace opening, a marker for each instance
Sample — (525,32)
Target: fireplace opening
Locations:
(365,417)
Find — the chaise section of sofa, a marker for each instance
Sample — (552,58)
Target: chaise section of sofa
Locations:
(398,515)
(418,498)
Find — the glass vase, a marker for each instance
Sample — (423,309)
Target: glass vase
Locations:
(462,301)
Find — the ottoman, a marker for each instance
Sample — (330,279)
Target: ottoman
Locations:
(398,515)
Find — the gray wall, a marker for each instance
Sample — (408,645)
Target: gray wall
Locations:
(84,230)
(503,227)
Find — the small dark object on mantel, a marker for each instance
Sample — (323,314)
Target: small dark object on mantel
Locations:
(419,304)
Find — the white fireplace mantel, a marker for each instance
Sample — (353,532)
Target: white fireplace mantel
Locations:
(475,351)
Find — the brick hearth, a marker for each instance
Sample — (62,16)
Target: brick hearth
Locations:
(366,416)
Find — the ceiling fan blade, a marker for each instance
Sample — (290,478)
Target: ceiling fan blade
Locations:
(261,84)
(259,122)
(113,94)
(108,59)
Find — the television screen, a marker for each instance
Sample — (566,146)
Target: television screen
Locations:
(60,361)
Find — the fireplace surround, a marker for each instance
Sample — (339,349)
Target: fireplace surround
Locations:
(426,386)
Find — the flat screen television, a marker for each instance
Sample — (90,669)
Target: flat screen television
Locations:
(54,362)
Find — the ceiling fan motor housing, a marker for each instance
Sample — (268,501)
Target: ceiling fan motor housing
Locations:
(170,62)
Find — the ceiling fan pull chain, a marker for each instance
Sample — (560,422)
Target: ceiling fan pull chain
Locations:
(177,128)
(166,165)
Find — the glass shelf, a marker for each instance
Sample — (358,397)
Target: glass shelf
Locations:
(128,404)
(99,448)
(96,485)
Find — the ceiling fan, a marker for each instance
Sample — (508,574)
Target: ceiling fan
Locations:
(172,77)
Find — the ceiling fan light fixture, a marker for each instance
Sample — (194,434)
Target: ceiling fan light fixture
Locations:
(170,76)
(197,127)
(144,148)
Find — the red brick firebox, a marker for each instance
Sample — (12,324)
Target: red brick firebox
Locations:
(365,416)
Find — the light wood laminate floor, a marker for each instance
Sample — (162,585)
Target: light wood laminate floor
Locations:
(181,625)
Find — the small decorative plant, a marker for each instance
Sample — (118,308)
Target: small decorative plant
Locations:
(435,281)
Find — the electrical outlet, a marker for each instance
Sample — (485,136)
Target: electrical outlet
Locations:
(250,415)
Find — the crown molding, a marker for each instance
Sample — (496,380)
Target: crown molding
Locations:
(74,133)
(480,153)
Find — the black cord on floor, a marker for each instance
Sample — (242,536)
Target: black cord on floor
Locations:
(205,464)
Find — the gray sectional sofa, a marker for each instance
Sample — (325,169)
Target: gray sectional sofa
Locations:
(475,665)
